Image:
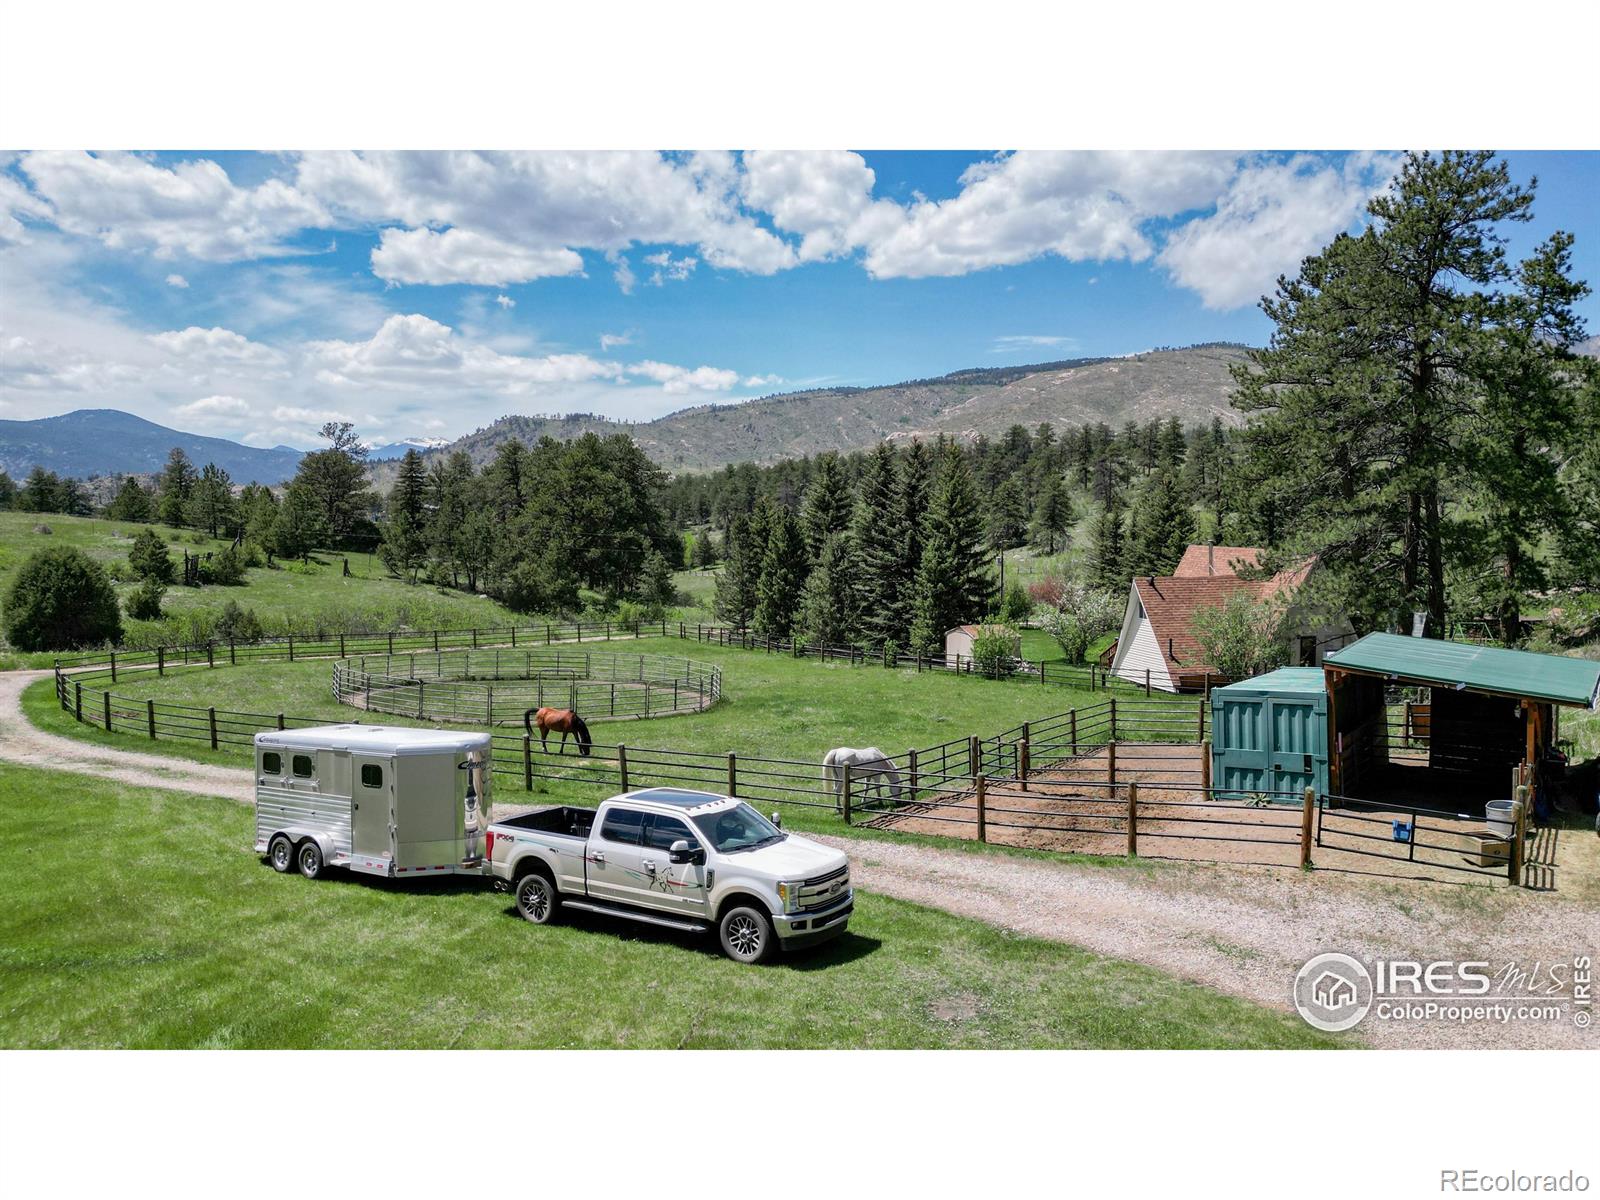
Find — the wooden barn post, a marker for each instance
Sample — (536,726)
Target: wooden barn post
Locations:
(1514,858)
(733,774)
(622,765)
(974,755)
(1306,812)
(1133,820)
(1022,755)
(980,799)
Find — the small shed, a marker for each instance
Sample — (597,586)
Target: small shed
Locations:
(958,644)
(1481,716)
(1269,735)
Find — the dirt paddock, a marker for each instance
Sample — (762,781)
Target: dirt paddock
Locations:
(1069,806)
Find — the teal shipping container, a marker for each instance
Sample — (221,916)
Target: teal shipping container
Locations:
(1270,734)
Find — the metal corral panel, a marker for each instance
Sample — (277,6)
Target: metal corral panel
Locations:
(1491,669)
(1270,734)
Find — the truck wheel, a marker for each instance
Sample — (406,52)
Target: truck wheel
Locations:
(537,899)
(310,859)
(281,855)
(746,934)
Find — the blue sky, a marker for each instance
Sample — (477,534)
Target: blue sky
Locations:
(253,296)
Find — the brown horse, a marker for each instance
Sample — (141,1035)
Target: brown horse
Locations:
(558,720)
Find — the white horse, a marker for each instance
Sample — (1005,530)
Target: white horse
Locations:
(871,770)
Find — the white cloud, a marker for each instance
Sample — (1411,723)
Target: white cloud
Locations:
(177,281)
(461,256)
(217,346)
(675,380)
(756,381)
(129,202)
(505,302)
(622,273)
(1030,341)
(35,364)
(669,268)
(416,351)
(214,409)
(1272,216)
(610,340)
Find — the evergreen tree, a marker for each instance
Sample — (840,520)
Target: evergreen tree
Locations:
(1107,553)
(149,557)
(298,526)
(879,532)
(258,512)
(61,600)
(827,504)
(336,478)
(1359,404)
(657,586)
(41,492)
(72,498)
(1161,527)
(1053,517)
(405,544)
(1008,516)
(175,487)
(506,479)
(952,584)
(734,601)
(783,574)
(131,503)
(911,507)
(8,491)
(211,504)
(828,614)
(448,484)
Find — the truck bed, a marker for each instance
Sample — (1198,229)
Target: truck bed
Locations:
(561,820)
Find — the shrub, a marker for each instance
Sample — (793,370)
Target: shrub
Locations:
(1015,605)
(225,567)
(236,624)
(60,600)
(1047,591)
(148,559)
(144,602)
(994,650)
(1241,637)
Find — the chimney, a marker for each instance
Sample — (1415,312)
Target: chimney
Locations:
(1210,553)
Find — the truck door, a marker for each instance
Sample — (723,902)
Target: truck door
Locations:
(372,806)
(675,887)
(615,856)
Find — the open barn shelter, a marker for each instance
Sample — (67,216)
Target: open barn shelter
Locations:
(1479,718)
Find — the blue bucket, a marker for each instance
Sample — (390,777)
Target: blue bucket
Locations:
(1402,830)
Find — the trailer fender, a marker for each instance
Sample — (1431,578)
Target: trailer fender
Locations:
(298,834)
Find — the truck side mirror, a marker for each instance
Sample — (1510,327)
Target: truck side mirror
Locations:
(686,852)
(777,818)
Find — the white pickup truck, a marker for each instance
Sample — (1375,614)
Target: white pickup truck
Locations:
(683,859)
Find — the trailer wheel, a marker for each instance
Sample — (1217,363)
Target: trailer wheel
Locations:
(281,855)
(537,899)
(746,935)
(310,858)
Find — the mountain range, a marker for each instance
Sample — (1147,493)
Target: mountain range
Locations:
(108,441)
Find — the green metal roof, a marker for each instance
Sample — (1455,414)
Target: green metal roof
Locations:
(1284,679)
(1474,668)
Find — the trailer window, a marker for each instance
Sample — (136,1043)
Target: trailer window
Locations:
(622,825)
(302,766)
(272,763)
(371,775)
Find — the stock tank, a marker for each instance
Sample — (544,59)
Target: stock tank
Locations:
(1269,736)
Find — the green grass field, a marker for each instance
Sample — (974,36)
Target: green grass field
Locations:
(170,932)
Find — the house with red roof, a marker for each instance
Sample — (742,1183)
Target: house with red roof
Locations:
(1157,643)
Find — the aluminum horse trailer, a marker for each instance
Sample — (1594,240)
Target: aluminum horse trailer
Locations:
(376,799)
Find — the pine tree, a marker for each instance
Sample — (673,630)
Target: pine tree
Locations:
(337,479)
(911,505)
(827,615)
(783,574)
(1161,527)
(131,503)
(1008,516)
(879,532)
(827,505)
(952,584)
(175,487)
(298,527)
(211,504)
(404,546)
(734,601)
(1107,555)
(149,557)
(1053,517)
(41,492)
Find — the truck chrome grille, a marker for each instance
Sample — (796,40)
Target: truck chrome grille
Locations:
(842,872)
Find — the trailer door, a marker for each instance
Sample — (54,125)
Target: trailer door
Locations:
(372,805)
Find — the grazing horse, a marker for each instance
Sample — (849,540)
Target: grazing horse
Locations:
(558,720)
(869,764)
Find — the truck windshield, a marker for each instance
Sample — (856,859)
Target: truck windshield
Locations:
(735,829)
